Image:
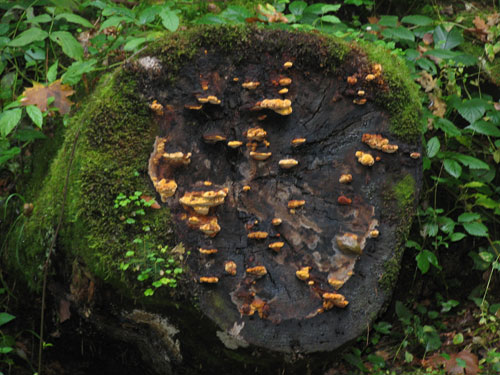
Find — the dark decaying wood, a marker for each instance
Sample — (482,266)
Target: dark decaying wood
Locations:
(275,175)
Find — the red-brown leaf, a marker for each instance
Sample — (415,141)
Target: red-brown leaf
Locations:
(39,94)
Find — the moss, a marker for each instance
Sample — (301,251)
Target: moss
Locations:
(402,99)
(403,192)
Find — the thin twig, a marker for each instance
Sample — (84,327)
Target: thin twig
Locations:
(47,260)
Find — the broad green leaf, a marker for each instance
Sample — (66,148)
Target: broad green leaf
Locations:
(297,7)
(5,349)
(466,59)
(113,22)
(487,202)
(330,19)
(42,18)
(76,70)
(34,34)
(400,33)
(472,110)
(6,318)
(447,39)
(468,217)
(9,154)
(169,19)
(4,27)
(74,18)
(388,21)
(403,313)
(35,115)
(433,147)
(28,135)
(8,120)
(132,44)
(442,54)
(68,43)
(210,19)
(149,14)
(448,127)
(486,256)
(408,357)
(485,128)
(235,14)
(321,8)
(52,72)
(452,167)
(469,161)
(476,229)
(417,20)
(474,184)
(422,262)
(446,224)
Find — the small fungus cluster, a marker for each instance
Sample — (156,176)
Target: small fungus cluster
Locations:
(280,106)
(365,158)
(377,142)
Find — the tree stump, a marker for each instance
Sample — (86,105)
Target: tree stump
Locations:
(286,163)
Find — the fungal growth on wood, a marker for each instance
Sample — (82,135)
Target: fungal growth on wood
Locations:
(285,237)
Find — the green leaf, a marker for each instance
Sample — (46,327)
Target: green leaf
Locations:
(460,361)
(476,229)
(442,54)
(9,154)
(472,110)
(28,135)
(169,19)
(452,167)
(468,217)
(400,33)
(383,327)
(403,313)
(388,21)
(485,128)
(52,72)
(6,318)
(8,120)
(76,70)
(417,20)
(321,8)
(34,34)
(486,256)
(469,161)
(457,236)
(149,14)
(113,22)
(68,43)
(132,44)
(74,18)
(210,19)
(447,39)
(149,292)
(448,127)
(433,147)
(408,357)
(297,7)
(458,339)
(330,19)
(35,115)
(42,18)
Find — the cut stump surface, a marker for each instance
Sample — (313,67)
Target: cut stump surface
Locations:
(290,188)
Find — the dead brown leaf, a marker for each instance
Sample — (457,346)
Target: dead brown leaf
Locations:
(451,366)
(426,81)
(154,206)
(428,39)
(39,94)
(271,14)
(437,106)
(497,106)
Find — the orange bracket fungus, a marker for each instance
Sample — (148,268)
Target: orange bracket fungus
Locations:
(268,269)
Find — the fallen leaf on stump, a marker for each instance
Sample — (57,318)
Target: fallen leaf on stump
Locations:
(39,94)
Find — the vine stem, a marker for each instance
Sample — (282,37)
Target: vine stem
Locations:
(51,248)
